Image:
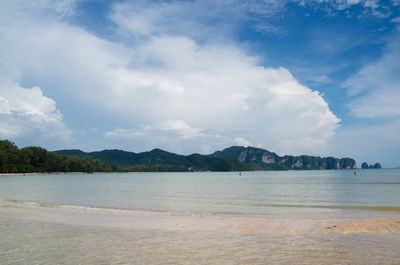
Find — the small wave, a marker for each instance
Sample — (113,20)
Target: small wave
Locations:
(349,207)
(161,213)
(96,209)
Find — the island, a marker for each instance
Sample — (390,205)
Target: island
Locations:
(364,165)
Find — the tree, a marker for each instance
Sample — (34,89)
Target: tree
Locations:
(37,159)
(8,157)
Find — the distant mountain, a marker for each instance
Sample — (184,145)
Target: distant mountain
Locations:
(158,157)
(109,157)
(234,158)
(261,159)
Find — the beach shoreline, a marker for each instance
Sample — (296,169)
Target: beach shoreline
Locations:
(336,222)
(53,173)
(49,235)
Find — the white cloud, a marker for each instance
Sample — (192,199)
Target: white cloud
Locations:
(268,28)
(198,96)
(343,4)
(376,87)
(369,7)
(242,142)
(27,112)
(396,20)
(175,135)
(223,89)
(182,128)
(144,19)
(124,133)
(374,94)
(177,128)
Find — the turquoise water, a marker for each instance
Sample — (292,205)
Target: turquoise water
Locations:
(211,192)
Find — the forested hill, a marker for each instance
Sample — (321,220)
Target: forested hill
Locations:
(235,158)
(232,158)
(133,161)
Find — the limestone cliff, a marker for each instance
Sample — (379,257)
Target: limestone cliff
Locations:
(263,159)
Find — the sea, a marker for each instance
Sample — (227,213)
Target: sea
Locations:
(372,192)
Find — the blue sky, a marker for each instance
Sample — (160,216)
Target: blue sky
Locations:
(318,77)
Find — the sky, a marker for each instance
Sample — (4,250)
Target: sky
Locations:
(316,77)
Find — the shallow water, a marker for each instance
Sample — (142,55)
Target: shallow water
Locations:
(85,218)
(29,242)
(251,193)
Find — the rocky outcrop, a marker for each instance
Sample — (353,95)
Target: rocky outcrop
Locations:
(263,159)
(366,166)
(233,158)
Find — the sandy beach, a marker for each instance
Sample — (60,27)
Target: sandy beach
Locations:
(48,235)
(336,222)
(214,218)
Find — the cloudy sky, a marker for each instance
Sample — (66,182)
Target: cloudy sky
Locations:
(317,77)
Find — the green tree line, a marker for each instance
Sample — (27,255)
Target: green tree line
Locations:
(37,159)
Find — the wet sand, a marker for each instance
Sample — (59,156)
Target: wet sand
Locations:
(47,234)
(335,222)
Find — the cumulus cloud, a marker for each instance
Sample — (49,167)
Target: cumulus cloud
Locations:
(182,128)
(26,112)
(242,142)
(185,94)
(173,135)
(223,89)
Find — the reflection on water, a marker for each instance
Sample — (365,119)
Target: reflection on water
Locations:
(29,242)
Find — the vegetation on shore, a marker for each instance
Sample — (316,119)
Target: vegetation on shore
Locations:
(37,159)
(235,158)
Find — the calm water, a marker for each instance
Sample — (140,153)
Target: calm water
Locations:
(29,241)
(251,193)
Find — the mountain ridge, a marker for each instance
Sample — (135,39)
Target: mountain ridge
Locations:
(228,159)
(264,159)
